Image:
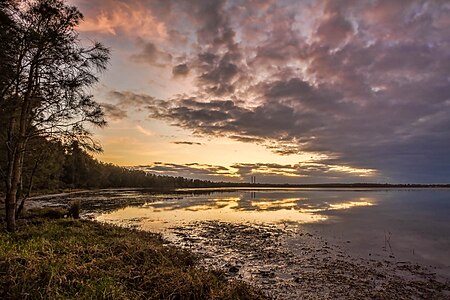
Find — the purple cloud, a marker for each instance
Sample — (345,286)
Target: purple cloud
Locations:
(365,83)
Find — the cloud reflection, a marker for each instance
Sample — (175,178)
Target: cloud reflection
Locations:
(236,207)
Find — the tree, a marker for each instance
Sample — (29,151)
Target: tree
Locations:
(44,83)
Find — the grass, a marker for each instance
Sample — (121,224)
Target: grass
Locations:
(68,259)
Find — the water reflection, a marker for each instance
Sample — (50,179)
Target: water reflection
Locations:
(416,221)
(350,204)
(268,207)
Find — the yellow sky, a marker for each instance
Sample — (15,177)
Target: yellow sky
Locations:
(129,143)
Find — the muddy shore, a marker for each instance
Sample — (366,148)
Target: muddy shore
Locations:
(290,263)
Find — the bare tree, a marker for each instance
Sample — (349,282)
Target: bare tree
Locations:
(45,83)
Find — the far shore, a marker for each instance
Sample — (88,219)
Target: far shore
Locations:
(338,186)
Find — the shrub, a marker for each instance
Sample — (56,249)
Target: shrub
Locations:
(74,209)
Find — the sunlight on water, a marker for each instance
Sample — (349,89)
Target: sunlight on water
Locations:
(286,203)
(350,204)
(415,221)
(239,207)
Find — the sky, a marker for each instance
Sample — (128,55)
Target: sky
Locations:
(288,91)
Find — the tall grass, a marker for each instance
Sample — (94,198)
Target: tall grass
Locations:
(66,258)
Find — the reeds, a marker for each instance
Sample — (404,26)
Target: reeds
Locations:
(69,258)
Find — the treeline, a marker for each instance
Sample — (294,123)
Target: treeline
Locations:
(51,166)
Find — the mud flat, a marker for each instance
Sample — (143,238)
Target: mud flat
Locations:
(290,263)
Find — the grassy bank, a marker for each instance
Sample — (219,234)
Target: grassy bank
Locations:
(65,258)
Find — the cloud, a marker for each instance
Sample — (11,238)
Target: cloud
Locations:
(180,70)
(128,99)
(305,172)
(143,130)
(151,55)
(117,17)
(186,143)
(192,170)
(365,84)
(334,30)
(302,171)
(213,21)
(113,112)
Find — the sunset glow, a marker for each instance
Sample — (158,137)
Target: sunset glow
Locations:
(288,91)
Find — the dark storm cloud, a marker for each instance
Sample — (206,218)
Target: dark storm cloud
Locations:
(224,117)
(219,78)
(365,83)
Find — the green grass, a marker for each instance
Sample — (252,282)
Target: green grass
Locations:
(68,259)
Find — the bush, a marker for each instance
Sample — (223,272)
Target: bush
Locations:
(74,209)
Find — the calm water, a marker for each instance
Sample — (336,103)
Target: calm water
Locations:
(408,224)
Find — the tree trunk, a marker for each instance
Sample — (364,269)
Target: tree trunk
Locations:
(10,204)
(18,142)
(11,193)
(30,186)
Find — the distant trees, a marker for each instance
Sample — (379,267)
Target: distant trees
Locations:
(70,167)
(44,76)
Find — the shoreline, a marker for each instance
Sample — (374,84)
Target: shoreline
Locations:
(304,263)
(292,263)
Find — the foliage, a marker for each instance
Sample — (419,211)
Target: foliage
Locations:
(86,260)
(52,70)
(44,86)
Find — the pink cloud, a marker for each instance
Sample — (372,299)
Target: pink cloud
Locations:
(128,18)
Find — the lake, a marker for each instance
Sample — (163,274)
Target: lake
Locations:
(410,223)
(298,242)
